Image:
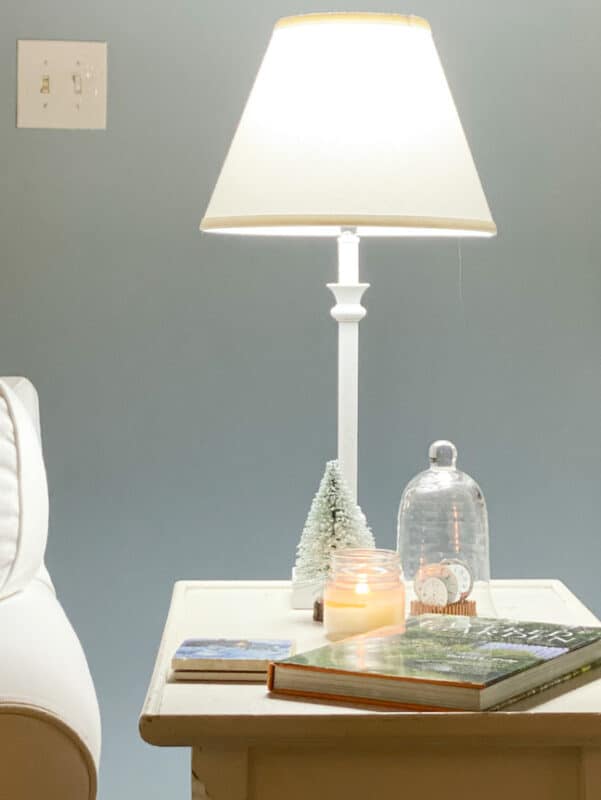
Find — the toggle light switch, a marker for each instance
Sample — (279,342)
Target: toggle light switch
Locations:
(61,84)
(76,82)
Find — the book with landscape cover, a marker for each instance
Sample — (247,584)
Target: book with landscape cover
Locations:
(229,655)
(441,662)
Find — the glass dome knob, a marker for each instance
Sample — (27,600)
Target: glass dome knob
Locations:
(443,454)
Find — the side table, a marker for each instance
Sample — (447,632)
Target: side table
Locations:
(247,745)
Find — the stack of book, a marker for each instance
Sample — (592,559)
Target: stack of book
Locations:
(228,659)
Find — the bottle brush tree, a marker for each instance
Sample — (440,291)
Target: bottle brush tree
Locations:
(334,522)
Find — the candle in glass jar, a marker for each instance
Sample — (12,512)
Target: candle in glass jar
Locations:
(364,592)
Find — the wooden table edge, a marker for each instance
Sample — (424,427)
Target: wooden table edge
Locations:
(578,729)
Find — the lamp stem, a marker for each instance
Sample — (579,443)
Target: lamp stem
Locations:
(348,312)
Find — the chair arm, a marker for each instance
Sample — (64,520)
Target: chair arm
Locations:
(46,691)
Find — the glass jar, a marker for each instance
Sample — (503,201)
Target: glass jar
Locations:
(443,539)
(364,591)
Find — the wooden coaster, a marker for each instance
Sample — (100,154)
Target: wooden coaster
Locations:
(466,608)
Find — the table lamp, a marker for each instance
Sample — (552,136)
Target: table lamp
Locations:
(350,130)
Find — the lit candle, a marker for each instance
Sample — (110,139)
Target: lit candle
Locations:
(364,592)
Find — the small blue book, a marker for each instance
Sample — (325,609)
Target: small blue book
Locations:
(231,655)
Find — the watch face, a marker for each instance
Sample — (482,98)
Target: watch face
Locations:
(462,575)
(432,591)
(450,581)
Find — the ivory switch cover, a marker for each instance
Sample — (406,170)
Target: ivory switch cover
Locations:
(61,84)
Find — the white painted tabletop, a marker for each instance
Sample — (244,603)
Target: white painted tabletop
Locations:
(183,714)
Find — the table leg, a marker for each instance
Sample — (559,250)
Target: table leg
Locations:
(590,786)
(220,773)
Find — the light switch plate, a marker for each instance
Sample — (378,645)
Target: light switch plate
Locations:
(61,84)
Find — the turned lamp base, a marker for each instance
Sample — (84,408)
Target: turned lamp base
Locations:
(465,608)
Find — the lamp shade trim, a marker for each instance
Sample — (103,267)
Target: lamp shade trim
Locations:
(358,16)
(223,224)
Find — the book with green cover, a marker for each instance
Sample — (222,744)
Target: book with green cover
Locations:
(441,662)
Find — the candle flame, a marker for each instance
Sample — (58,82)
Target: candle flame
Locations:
(361,586)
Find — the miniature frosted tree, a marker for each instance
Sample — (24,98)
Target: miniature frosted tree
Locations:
(334,522)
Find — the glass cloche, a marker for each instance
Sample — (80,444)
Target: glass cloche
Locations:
(443,539)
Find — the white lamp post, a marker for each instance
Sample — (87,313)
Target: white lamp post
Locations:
(350,130)
(348,313)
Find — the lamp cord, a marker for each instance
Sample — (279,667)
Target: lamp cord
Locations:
(466,374)
(452,354)
(461,297)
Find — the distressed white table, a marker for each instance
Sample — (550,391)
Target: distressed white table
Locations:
(247,745)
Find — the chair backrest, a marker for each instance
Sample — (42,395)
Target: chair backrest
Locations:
(49,714)
(23,487)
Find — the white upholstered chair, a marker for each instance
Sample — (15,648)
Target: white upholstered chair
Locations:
(49,719)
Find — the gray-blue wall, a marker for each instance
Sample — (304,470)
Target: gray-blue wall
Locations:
(188,384)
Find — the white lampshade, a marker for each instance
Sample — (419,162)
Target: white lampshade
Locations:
(350,123)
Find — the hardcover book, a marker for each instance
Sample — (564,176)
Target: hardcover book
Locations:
(230,655)
(440,662)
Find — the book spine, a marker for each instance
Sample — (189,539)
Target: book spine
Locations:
(270,676)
